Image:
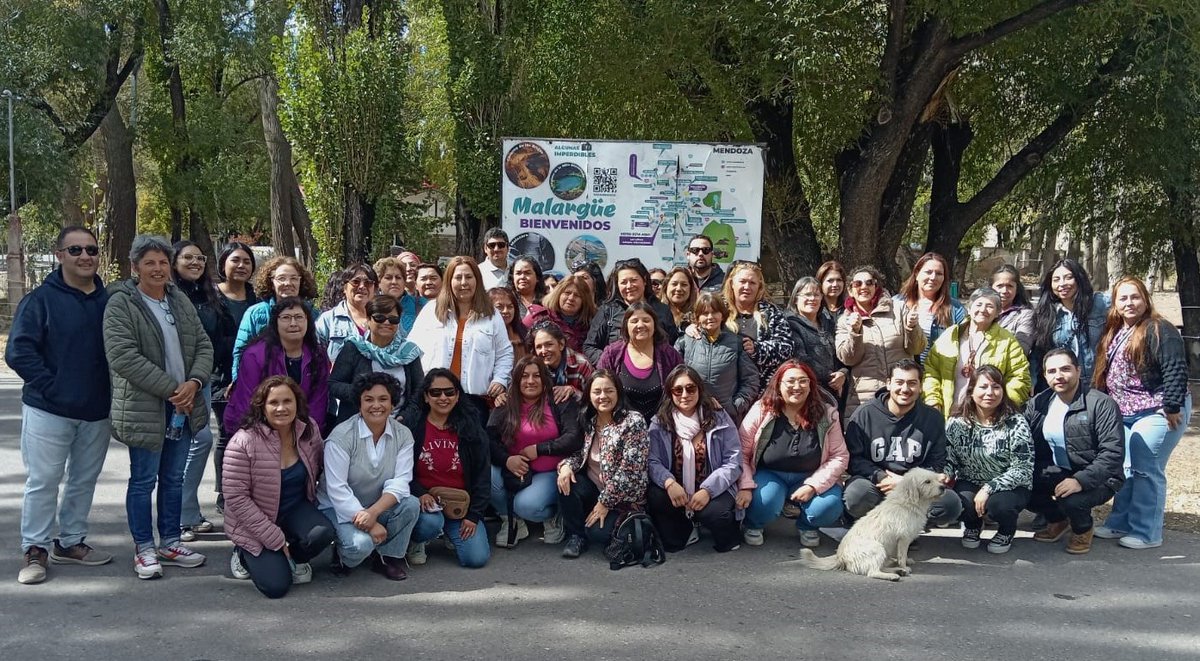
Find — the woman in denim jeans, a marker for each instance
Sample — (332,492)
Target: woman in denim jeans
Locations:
(1141,363)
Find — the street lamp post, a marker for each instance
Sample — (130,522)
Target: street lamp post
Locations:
(16,253)
(12,170)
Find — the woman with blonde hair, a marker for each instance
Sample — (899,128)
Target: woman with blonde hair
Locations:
(761,324)
(464,333)
(1142,364)
(570,306)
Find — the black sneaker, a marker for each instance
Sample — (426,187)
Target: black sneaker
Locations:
(336,567)
(970,538)
(576,546)
(1000,543)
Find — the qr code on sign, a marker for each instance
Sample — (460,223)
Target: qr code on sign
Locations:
(604,180)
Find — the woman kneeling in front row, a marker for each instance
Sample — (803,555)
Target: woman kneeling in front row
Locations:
(269,479)
(695,462)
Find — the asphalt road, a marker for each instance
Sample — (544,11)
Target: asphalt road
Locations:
(1036,602)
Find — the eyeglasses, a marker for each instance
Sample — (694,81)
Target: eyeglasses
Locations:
(859,284)
(76,251)
(292,318)
(383,318)
(286,279)
(700,250)
(166,308)
(688,388)
(436,393)
(360,282)
(496,245)
(194,258)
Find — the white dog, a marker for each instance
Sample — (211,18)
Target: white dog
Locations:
(886,531)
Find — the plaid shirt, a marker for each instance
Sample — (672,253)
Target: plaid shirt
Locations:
(573,370)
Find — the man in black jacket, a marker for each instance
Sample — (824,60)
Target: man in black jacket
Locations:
(891,434)
(1079,452)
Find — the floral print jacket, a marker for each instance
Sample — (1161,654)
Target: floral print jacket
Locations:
(624,454)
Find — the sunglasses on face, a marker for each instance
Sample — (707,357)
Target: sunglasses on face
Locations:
(656,283)
(76,251)
(496,245)
(689,388)
(383,318)
(360,282)
(437,393)
(700,250)
(859,284)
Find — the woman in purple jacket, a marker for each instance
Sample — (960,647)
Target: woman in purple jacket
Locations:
(270,474)
(641,359)
(288,347)
(695,463)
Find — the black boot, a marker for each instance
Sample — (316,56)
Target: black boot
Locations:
(336,567)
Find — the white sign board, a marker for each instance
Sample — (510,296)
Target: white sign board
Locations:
(568,202)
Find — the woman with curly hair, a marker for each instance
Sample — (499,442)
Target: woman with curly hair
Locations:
(280,277)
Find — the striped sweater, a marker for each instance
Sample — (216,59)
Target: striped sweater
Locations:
(1000,456)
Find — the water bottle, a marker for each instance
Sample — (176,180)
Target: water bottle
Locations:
(175,429)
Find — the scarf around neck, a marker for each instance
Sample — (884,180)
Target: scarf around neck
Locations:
(687,427)
(399,352)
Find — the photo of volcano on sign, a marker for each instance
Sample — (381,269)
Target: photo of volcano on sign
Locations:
(567,181)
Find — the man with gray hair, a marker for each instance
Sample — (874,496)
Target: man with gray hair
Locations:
(57,348)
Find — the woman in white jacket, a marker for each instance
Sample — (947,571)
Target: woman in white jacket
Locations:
(462,332)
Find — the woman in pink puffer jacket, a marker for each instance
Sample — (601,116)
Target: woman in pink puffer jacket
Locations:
(269,478)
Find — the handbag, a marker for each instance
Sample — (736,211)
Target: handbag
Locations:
(634,541)
(454,502)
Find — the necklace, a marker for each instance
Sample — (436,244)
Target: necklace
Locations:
(968,369)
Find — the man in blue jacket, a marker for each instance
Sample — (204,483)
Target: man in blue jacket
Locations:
(57,347)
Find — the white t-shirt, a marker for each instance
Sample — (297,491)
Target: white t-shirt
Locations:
(172,350)
(1053,429)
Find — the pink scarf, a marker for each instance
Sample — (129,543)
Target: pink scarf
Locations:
(687,428)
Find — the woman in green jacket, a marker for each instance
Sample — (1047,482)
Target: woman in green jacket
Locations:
(966,346)
(159,358)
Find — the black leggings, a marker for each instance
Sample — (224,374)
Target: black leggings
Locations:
(1002,506)
(307,532)
(576,506)
(674,526)
(221,443)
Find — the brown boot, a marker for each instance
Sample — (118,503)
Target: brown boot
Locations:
(1080,543)
(1052,532)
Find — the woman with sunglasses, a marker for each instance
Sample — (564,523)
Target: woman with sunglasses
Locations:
(384,349)
(529,435)
(813,338)
(695,463)
(1142,364)
(630,285)
(761,324)
(505,302)
(287,346)
(927,291)
(793,451)
(719,357)
(607,475)
(527,284)
(569,306)
(1069,314)
(451,451)
(641,359)
(348,315)
(190,273)
(966,347)
(159,359)
(280,277)
(872,335)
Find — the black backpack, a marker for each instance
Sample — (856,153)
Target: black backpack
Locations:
(635,542)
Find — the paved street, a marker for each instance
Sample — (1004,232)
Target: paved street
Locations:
(756,603)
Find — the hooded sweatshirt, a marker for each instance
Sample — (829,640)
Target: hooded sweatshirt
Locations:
(879,441)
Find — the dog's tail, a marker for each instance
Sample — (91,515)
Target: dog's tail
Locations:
(810,560)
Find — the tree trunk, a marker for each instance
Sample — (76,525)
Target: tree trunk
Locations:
(1100,276)
(787,217)
(72,212)
(120,200)
(198,234)
(301,222)
(469,228)
(359,217)
(279,154)
(947,222)
(15,263)
(1187,274)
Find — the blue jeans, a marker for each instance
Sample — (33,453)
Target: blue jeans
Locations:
(1139,506)
(472,553)
(354,545)
(536,502)
(52,446)
(776,487)
(193,472)
(164,468)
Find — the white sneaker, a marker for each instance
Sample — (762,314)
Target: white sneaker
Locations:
(502,535)
(146,564)
(237,568)
(753,536)
(301,573)
(1104,532)
(554,532)
(810,539)
(416,554)
(1137,543)
(178,555)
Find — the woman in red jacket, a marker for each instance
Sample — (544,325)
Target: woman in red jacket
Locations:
(269,479)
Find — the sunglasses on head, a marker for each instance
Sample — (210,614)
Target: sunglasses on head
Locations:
(688,388)
(442,392)
(700,250)
(76,251)
(383,318)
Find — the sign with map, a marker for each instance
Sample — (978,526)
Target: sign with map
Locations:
(569,202)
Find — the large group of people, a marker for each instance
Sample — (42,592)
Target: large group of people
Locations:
(413,403)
